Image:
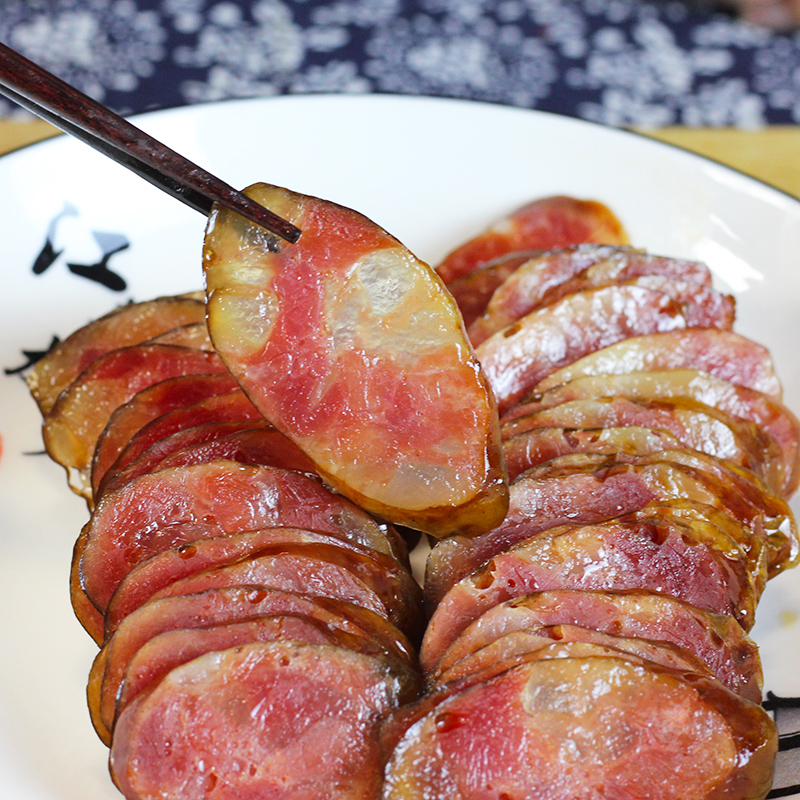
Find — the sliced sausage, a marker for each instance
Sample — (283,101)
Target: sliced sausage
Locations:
(126,325)
(591,728)
(353,348)
(519,357)
(268,719)
(543,224)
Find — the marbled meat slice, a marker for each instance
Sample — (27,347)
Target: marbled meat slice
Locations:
(393,581)
(549,275)
(147,405)
(315,571)
(771,415)
(231,407)
(268,719)
(726,354)
(404,717)
(126,325)
(716,639)
(535,446)
(519,357)
(353,348)
(547,223)
(162,449)
(523,641)
(226,606)
(157,657)
(171,648)
(177,506)
(598,266)
(594,728)
(696,426)
(318,568)
(666,557)
(246,442)
(83,409)
(702,305)
(589,488)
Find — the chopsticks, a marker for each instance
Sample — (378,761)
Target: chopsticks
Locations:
(64,106)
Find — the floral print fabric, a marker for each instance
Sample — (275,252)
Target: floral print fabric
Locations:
(620,62)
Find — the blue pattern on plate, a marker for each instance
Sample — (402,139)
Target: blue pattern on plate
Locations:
(621,62)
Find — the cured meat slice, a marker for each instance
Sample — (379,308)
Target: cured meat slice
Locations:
(587,489)
(726,354)
(776,420)
(714,524)
(248,442)
(543,224)
(646,554)
(170,649)
(592,728)
(547,276)
(402,718)
(124,326)
(177,506)
(392,581)
(739,490)
(473,291)
(270,719)
(507,627)
(231,407)
(533,447)
(519,357)
(317,570)
(80,414)
(313,569)
(697,426)
(167,650)
(606,265)
(225,606)
(735,489)
(164,448)
(353,348)
(702,305)
(512,644)
(147,405)
(716,639)
(193,335)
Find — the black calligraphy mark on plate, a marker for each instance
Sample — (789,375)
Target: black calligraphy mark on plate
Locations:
(99,272)
(786,711)
(110,244)
(32,356)
(48,254)
(785,791)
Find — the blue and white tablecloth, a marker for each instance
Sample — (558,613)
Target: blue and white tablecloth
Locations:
(621,62)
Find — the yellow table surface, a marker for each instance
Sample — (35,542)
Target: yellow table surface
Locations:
(772,154)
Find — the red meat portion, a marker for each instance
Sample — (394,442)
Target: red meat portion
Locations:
(544,224)
(518,358)
(124,326)
(268,720)
(594,728)
(716,639)
(147,405)
(178,506)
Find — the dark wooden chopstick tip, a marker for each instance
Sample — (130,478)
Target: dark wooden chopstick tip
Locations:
(55,101)
(287,231)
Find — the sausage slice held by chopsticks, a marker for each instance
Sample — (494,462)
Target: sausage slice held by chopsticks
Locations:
(352,347)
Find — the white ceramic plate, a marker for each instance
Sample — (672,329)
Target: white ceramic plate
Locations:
(432,172)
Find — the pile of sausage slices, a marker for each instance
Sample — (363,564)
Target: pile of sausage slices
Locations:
(597,463)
